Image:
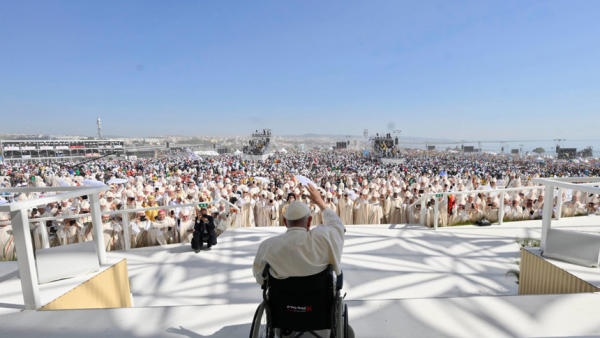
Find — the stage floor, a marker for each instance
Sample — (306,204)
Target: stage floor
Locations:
(401,281)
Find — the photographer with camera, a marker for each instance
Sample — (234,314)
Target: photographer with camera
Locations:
(204,231)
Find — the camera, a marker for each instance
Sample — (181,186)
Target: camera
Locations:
(72,222)
(143,218)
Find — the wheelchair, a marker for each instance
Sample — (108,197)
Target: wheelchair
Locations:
(298,306)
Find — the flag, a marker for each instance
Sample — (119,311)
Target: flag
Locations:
(192,154)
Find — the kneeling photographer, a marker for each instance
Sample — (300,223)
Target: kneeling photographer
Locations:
(204,231)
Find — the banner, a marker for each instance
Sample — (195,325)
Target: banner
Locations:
(193,155)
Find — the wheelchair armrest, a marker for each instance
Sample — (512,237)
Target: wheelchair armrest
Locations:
(339,283)
(265,272)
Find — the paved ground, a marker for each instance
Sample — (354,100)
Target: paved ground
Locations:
(401,280)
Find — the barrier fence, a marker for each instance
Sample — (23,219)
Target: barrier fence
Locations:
(22,238)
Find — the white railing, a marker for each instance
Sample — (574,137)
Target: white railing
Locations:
(587,185)
(23,242)
(436,195)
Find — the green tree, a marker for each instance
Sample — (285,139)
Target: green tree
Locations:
(539,150)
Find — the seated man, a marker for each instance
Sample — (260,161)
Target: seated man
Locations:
(301,251)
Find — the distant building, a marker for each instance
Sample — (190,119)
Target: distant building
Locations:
(18,150)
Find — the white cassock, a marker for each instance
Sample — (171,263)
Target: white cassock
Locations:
(247,207)
(38,231)
(147,235)
(134,233)
(67,234)
(396,211)
(387,207)
(315,214)
(162,234)
(491,214)
(361,211)
(514,214)
(234,220)
(260,213)
(7,243)
(346,211)
(375,212)
(272,214)
(282,210)
(184,235)
(112,236)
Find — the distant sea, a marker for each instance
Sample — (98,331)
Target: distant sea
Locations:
(528,146)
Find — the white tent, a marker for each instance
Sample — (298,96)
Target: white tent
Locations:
(283,150)
(237,152)
(207,153)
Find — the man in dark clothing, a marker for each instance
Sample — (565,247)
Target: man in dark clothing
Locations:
(204,231)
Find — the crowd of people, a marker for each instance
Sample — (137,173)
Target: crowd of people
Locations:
(243,193)
(257,146)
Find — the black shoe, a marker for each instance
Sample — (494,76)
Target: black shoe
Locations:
(196,250)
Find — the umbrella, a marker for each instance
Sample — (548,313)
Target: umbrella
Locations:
(93,183)
(305,180)
(117,181)
(262,179)
(443,173)
(353,196)
(63,183)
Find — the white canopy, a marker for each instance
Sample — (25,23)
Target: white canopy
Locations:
(283,150)
(207,153)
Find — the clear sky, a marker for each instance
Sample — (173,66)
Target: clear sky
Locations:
(437,69)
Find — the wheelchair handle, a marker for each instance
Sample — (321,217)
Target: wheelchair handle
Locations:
(339,283)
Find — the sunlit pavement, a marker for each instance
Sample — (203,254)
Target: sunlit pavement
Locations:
(401,281)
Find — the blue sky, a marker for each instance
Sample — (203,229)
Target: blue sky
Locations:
(439,69)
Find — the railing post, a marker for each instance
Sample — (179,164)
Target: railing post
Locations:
(44,233)
(436,214)
(126,234)
(97,227)
(26,262)
(501,208)
(547,215)
(422,218)
(559,202)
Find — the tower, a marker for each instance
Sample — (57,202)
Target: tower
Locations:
(99,129)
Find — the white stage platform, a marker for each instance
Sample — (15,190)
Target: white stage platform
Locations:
(401,281)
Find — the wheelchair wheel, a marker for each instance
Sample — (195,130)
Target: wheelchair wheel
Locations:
(340,326)
(261,323)
(346,321)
